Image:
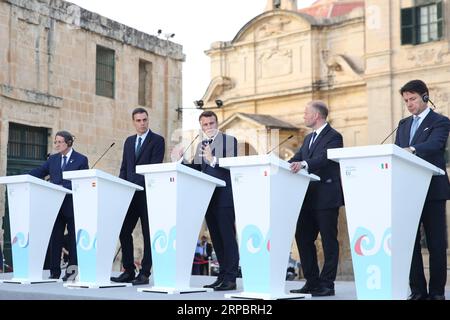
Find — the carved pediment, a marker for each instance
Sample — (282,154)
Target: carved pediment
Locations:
(216,87)
(272,27)
(274,63)
(343,68)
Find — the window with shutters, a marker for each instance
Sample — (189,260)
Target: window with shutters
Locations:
(145,84)
(422,24)
(27,143)
(104,73)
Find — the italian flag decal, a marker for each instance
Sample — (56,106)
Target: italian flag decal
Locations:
(384,166)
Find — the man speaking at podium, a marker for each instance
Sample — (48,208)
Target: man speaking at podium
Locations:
(323,198)
(425,134)
(66,159)
(219,216)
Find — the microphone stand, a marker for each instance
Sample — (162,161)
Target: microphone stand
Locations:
(112,145)
(290,137)
(190,144)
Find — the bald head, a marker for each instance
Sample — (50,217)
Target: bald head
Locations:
(316,113)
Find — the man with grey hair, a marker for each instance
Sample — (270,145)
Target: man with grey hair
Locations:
(66,159)
(323,198)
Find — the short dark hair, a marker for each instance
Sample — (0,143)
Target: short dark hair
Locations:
(320,107)
(68,137)
(138,110)
(207,114)
(417,86)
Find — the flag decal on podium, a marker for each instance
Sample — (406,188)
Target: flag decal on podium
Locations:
(172,179)
(384,166)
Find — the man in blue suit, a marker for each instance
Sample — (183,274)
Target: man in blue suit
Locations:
(67,159)
(144,147)
(425,134)
(323,198)
(219,216)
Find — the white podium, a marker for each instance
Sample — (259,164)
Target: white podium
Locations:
(33,206)
(177,199)
(384,190)
(100,203)
(267,199)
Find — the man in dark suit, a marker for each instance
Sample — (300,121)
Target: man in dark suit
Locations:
(67,159)
(219,216)
(145,147)
(425,134)
(323,198)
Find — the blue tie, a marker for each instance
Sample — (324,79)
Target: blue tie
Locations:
(414,126)
(314,135)
(138,147)
(64,163)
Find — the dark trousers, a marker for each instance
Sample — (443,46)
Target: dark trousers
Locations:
(220,221)
(309,224)
(137,210)
(435,227)
(65,218)
(1,259)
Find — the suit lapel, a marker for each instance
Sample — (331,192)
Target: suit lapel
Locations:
(145,144)
(318,139)
(71,160)
(424,125)
(405,130)
(218,142)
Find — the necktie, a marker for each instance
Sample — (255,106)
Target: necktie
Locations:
(414,126)
(138,147)
(64,163)
(314,135)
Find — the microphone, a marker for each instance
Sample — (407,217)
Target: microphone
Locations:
(112,145)
(434,106)
(401,121)
(190,144)
(281,143)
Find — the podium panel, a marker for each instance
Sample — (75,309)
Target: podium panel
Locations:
(100,203)
(177,199)
(267,199)
(33,206)
(384,190)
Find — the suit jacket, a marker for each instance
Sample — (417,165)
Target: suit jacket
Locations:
(52,167)
(429,141)
(222,146)
(152,151)
(326,193)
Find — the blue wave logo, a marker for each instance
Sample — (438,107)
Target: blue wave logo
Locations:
(164,258)
(255,260)
(86,253)
(371,264)
(20,253)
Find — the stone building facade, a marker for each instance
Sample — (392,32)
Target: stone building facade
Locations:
(354,55)
(63,67)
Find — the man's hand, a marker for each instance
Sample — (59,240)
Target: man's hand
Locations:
(177,153)
(207,153)
(408,149)
(296,166)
